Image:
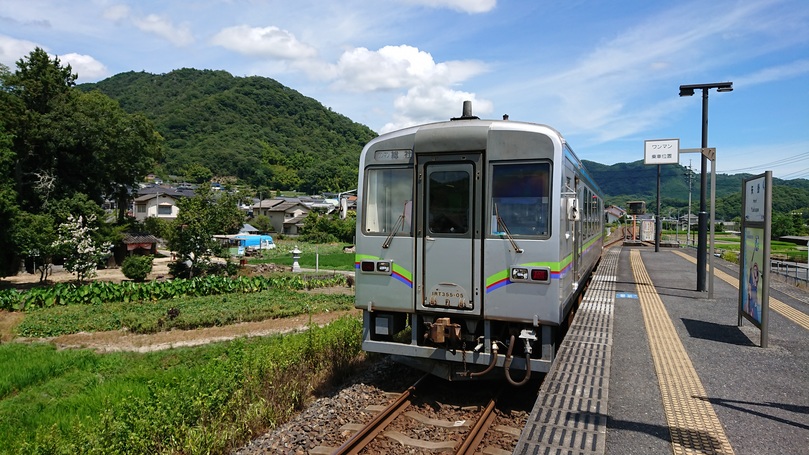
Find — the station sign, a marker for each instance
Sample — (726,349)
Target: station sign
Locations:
(661,151)
(754,255)
(754,204)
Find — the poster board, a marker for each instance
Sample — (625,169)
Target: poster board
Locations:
(754,257)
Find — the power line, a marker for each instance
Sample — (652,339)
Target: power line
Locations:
(803,173)
(781,162)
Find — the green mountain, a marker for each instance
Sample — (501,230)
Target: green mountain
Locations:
(622,182)
(272,137)
(251,128)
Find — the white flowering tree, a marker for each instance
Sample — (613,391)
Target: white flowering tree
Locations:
(82,252)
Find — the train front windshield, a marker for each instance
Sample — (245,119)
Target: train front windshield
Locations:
(388,204)
(520,197)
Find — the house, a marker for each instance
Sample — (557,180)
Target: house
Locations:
(263,206)
(159,204)
(248,229)
(613,213)
(286,215)
(137,243)
(133,243)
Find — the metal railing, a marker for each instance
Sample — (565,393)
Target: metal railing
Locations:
(792,272)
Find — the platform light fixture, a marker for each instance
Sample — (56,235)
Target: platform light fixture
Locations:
(702,235)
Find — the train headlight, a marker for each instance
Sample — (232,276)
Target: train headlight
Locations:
(519,274)
(377,267)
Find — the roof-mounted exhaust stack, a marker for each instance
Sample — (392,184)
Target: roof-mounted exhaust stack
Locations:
(467,112)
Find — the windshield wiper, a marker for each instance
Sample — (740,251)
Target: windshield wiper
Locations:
(396,228)
(501,223)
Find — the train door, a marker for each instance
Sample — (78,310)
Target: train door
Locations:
(577,229)
(449,233)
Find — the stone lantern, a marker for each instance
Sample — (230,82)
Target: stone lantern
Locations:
(296,255)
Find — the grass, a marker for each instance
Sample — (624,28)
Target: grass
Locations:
(324,257)
(206,399)
(732,244)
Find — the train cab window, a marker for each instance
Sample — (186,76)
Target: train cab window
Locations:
(520,198)
(448,202)
(388,201)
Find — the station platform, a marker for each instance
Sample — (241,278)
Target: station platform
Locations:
(652,366)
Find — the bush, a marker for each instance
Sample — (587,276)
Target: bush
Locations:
(136,268)
(318,237)
(730,256)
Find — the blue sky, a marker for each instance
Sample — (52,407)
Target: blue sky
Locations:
(604,73)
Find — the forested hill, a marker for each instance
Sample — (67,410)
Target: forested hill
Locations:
(252,128)
(622,182)
(272,137)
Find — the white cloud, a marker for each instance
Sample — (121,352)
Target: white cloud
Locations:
(396,67)
(431,104)
(466,6)
(177,35)
(265,42)
(85,66)
(11,50)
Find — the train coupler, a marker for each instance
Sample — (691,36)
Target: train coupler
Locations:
(442,330)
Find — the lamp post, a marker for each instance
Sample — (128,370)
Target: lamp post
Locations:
(702,239)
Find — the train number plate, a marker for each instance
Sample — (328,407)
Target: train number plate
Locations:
(449,295)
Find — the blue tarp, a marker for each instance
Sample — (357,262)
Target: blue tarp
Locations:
(261,242)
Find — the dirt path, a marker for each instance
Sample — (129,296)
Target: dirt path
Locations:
(117,341)
(120,340)
(160,268)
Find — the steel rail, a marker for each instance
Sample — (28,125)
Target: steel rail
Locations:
(361,438)
(475,436)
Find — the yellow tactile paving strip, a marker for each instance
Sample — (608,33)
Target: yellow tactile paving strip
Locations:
(798,317)
(693,424)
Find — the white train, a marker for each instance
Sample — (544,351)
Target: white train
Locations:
(475,239)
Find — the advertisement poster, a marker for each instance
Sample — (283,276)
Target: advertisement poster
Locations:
(753,263)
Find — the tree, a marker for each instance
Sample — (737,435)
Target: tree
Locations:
(34,237)
(39,80)
(328,228)
(67,141)
(158,227)
(198,173)
(8,204)
(262,223)
(200,218)
(81,251)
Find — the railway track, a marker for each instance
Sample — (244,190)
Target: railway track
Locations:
(435,416)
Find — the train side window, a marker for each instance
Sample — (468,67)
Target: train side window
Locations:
(388,201)
(521,196)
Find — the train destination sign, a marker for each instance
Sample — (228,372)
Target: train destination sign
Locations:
(661,151)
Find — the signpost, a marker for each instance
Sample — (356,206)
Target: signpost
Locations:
(660,151)
(709,153)
(754,260)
